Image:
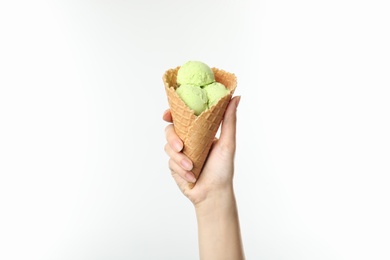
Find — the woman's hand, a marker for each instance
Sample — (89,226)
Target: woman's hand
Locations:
(217,173)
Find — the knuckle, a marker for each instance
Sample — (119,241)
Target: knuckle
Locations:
(170,165)
(167,128)
(227,148)
(166,148)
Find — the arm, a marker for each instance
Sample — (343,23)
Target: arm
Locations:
(213,195)
(218,227)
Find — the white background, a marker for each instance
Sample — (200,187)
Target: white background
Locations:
(83,174)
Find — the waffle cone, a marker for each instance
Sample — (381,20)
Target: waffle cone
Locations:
(197,132)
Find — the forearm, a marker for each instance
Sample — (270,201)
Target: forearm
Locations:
(219,228)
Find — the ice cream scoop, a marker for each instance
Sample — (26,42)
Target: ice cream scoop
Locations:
(215,91)
(195,73)
(194,97)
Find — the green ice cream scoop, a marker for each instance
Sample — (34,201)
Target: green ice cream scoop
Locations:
(194,97)
(195,73)
(215,91)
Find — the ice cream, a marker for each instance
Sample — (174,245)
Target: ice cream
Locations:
(194,97)
(197,131)
(197,86)
(195,73)
(215,91)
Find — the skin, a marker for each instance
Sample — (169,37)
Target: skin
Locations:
(213,196)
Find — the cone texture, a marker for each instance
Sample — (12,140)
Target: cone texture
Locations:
(197,132)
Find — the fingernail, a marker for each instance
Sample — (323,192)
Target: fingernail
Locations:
(186,164)
(190,177)
(238,101)
(178,146)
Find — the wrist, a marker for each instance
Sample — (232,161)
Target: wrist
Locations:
(216,201)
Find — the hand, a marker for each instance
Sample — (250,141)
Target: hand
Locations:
(218,170)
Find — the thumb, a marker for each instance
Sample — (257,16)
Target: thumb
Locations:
(228,129)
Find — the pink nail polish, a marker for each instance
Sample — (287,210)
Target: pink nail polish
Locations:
(186,164)
(190,177)
(178,146)
(238,101)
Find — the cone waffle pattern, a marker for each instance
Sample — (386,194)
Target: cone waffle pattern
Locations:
(197,132)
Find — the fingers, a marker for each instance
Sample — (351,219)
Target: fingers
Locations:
(173,139)
(178,158)
(180,164)
(228,129)
(167,116)
(184,174)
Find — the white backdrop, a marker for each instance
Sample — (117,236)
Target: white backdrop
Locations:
(83,174)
